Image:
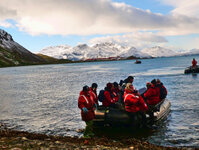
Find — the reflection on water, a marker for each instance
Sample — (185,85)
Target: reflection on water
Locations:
(43,99)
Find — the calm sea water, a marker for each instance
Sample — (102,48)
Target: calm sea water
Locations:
(43,99)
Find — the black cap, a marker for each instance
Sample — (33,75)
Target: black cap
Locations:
(115,84)
(94,85)
(153,81)
(130,78)
(85,88)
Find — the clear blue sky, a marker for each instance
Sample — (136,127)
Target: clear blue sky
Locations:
(37,25)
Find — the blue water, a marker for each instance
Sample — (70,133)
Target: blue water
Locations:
(43,99)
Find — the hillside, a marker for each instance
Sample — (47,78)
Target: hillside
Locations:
(13,54)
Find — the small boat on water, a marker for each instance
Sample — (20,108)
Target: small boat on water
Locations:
(117,116)
(191,70)
(138,62)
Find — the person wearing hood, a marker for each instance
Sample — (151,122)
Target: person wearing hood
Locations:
(93,93)
(87,106)
(163,90)
(108,95)
(133,100)
(194,63)
(135,105)
(152,95)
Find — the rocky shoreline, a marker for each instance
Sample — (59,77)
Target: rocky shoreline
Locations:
(16,140)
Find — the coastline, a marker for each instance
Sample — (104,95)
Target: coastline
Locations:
(13,139)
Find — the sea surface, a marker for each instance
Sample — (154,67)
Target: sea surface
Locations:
(43,99)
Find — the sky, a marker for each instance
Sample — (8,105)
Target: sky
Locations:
(37,24)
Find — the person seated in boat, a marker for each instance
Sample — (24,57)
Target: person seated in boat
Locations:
(130,79)
(162,89)
(134,103)
(116,91)
(148,85)
(87,106)
(109,98)
(93,93)
(152,95)
(194,63)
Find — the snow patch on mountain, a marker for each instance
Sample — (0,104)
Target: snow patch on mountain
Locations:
(158,51)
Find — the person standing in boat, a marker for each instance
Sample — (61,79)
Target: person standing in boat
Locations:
(163,90)
(93,93)
(194,63)
(109,96)
(134,104)
(87,106)
(130,79)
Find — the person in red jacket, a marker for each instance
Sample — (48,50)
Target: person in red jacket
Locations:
(152,95)
(116,91)
(86,104)
(194,63)
(133,101)
(93,93)
(108,94)
(134,104)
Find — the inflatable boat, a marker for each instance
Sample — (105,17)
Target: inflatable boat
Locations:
(138,62)
(192,69)
(117,116)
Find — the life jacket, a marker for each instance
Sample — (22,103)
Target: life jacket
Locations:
(93,95)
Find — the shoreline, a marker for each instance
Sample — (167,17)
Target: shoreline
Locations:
(10,139)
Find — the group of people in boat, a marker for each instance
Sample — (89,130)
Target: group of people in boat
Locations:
(123,93)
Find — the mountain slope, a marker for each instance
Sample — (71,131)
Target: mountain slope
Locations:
(13,54)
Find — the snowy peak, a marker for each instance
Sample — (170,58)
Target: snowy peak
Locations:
(97,51)
(158,51)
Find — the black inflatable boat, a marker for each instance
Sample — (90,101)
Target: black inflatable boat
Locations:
(191,70)
(117,116)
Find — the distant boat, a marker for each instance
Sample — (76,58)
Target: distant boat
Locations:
(138,62)
(191,70)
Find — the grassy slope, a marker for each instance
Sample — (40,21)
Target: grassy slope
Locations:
(8,58)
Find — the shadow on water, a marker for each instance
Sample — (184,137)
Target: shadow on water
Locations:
(194,75)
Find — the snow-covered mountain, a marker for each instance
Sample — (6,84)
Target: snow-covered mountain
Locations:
(191,52)
(108,49)
(159,52)
(83,51)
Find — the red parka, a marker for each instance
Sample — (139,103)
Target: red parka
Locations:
(85,101)
(194,63)
(93,96)
(152,95)
(108,100)
(134,103)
